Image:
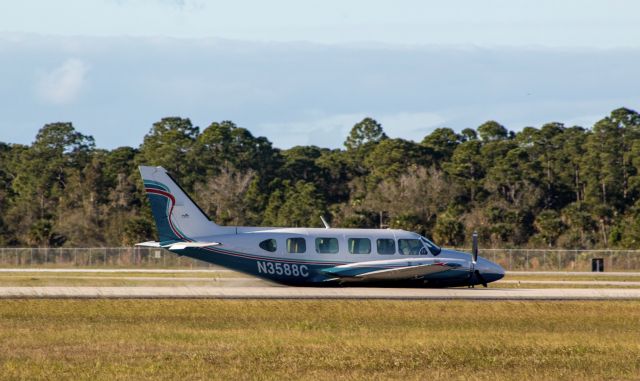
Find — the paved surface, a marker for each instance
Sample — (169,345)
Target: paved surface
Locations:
(213,278)
(571,282)
(319,293)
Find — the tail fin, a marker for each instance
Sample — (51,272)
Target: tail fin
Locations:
(177,216)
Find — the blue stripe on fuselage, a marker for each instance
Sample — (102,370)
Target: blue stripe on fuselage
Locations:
(308,272)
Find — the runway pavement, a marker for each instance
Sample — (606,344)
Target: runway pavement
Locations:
(222,270)
(321,293)
(238,287)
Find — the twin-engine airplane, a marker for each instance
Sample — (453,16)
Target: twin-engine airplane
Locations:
(308,256)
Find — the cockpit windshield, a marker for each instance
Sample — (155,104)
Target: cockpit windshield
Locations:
(433,248)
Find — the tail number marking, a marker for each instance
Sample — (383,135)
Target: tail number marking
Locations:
(283,269)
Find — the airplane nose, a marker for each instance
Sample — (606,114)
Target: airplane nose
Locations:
(492,272)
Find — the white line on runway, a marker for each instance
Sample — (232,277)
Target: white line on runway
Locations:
(320,293)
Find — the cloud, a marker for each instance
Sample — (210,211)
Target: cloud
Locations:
(180,4)
(301,93)
(63,84)
(322,131)
(411,125)
(330,131)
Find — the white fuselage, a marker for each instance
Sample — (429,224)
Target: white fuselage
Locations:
(283,263)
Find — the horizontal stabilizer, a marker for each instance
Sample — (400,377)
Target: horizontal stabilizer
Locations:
(178,245)
(149,244)
(398,273)
(186,245)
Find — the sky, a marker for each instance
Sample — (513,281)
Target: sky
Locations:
(303,72)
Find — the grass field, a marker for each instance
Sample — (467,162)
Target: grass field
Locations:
(215,339)
(122,279)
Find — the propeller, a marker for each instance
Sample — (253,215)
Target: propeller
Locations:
(474,247)
(474,260)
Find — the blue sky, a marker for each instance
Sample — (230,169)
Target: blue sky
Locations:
(305,72)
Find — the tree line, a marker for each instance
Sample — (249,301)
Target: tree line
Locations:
(552,186)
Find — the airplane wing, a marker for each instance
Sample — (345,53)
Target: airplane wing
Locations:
(397,273)
(178,245)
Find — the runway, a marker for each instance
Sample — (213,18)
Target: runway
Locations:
(216,283)
(214,269)
(183,292)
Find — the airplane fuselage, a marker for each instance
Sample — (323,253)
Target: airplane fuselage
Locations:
(282,263)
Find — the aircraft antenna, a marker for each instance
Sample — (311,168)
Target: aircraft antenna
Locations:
(325,223)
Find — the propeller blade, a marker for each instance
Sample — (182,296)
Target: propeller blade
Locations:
(474,249)
(474,259)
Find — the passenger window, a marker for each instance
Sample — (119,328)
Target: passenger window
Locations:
(386,246)
(326,245)
(359,245)
(268,245)
(296,245)
(411,247)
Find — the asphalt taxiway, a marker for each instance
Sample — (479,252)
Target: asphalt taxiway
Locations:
(238,287)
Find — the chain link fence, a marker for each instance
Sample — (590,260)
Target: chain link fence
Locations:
(562,260)
(96,257)
(141,257)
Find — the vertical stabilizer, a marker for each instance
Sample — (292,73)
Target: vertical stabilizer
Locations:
(177,216)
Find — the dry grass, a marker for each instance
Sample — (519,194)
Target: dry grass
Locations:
(214,339)
(122,279)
